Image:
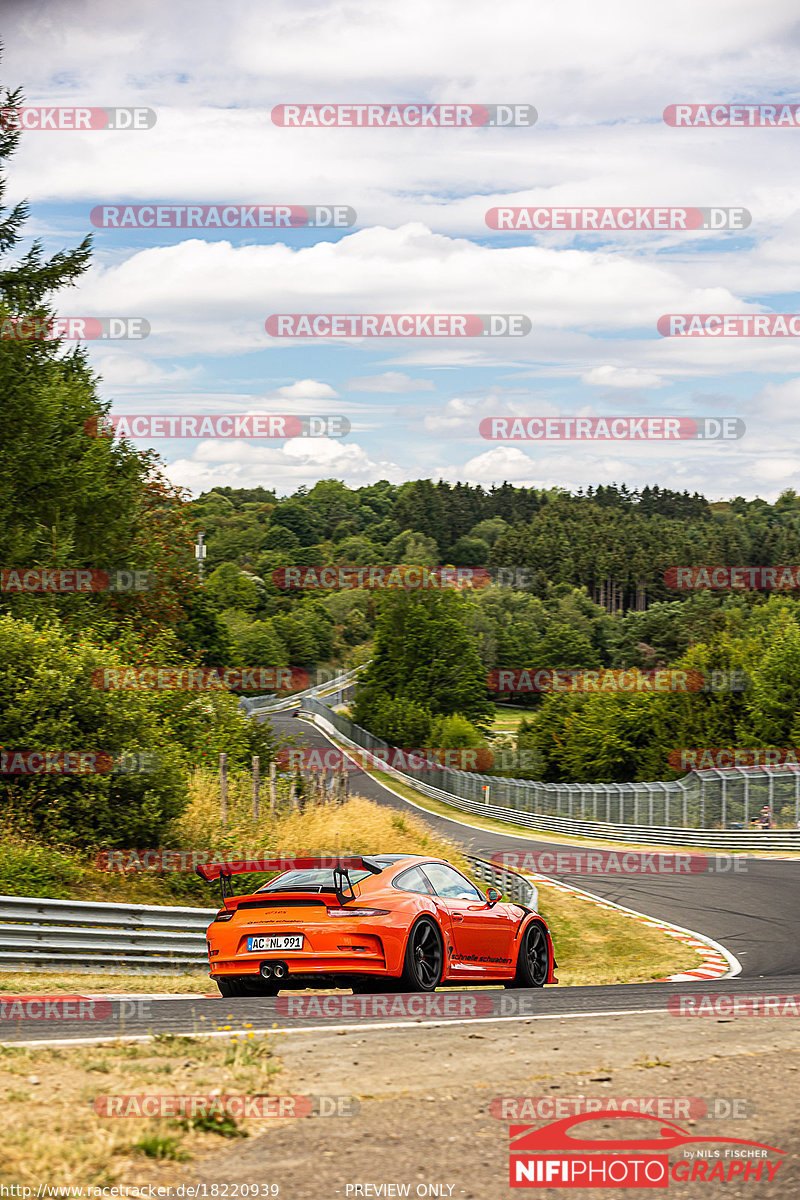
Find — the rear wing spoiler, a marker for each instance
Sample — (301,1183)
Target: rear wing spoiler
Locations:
(341,870)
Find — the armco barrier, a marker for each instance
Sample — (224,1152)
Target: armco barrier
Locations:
(335,692)
(124,938)
(130,939)
(528,798)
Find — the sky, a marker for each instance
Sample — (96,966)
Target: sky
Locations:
(599,77)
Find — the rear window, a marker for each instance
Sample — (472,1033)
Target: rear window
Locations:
(413,881)
(316,879)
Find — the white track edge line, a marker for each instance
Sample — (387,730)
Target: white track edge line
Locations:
(412,1024)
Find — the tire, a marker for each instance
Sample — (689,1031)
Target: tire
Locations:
(423,966)
(533,960)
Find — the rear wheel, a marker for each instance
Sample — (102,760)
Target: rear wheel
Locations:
(533,962)
(424,961)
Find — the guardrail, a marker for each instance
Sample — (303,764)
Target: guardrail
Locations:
(333,689)
(527,796)
(129,939)
(124,938)
(518,889)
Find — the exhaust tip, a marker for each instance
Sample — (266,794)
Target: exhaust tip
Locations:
(266,971)
(279,971)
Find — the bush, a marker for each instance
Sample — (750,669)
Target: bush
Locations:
(49,703)
(455,733)
(401,722)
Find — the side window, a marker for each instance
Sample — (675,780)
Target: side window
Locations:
(413,881)
(450,884)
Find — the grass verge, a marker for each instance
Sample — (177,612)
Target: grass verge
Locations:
(53,1135)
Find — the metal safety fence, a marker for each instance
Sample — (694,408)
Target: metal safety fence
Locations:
(702,800)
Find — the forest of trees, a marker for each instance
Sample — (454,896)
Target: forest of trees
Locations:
(592,595)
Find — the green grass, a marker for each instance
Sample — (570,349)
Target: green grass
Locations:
(507,718)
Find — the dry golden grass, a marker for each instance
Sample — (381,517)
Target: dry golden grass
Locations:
(52,1135)
(83,982)
(358,826)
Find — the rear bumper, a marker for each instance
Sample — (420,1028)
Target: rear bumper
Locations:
(308,967)
(347,947)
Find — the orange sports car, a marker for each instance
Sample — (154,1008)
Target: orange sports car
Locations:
(390,922)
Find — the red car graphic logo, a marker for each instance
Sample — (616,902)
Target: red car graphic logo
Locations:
(554,1137)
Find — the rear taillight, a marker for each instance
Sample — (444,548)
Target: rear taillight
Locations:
(225,915)
(358,912)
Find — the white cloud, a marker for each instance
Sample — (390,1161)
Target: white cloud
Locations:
(284,468)
(306,389)
(621,377)
(128,371)
(390,381)
(577,295)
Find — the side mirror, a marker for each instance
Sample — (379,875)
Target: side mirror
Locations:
(492,896)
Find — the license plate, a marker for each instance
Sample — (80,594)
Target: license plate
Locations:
(281,941)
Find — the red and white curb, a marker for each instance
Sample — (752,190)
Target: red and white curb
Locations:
(718,963)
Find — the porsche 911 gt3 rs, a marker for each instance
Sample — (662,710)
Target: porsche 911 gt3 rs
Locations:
(389,922)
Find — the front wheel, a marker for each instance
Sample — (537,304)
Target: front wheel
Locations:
(533,961)
(424,961)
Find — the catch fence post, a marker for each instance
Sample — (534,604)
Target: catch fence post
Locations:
(223,789)
(256,786)
(273,790)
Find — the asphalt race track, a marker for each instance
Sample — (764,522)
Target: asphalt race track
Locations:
(754,913)
(107,1018)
